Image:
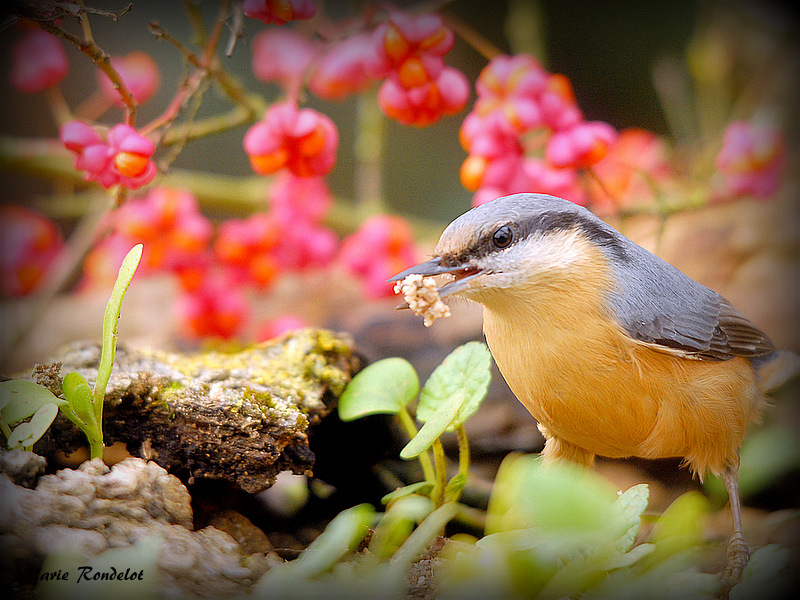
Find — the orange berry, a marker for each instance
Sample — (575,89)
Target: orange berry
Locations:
(27,278)
(472,171)
(264,270)
(313,143)
(598,152)
(396,46)
(269,163)
(412,74)
(434,39)
(560,84)
(282,9)
(130,164)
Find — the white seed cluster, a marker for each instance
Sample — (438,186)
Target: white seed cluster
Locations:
(423,298)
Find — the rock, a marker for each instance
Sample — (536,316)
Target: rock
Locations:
(22,466)
(241,417)
(95,508)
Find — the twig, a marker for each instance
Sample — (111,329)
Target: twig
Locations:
(199,129)
(162,34)
(189,86)
(237,30)
(196,100)
(483,46)
(196,21)
(101,59)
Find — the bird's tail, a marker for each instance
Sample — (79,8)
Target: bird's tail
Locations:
(775,369)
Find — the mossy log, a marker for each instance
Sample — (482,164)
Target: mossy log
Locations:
(242,416)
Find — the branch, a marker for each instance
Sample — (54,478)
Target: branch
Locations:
(101,59)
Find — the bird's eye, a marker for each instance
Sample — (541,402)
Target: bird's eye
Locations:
(503,237)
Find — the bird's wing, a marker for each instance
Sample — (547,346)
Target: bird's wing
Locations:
(662,307)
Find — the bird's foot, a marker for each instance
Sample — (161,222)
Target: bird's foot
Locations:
(738,556)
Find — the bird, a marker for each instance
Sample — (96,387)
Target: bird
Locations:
(614,351)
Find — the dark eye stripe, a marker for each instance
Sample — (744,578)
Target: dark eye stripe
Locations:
(542,223)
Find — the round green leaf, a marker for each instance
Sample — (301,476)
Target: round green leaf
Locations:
(27,434)
(467,368)
(383,387)
(436,426)
(21,398)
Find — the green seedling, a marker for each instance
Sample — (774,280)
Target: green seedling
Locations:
(22,399)
(451,395)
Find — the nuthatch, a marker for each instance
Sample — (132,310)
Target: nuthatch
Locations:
(614,351)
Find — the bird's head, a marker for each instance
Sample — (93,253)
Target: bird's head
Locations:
(521,245)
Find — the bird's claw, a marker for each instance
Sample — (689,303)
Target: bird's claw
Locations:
(738,556)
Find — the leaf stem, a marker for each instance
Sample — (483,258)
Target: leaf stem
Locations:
(424,459)
(440,464)
(5,428)
(463,450)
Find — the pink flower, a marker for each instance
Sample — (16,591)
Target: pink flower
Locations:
(29,243)
(752,160)
(427,103)
(139,72)
(381,247)
(510,86)
(169,224)
(217,309)
(38,62)
(304,245)
(564,183)
(580,146)
(294,198)
(279,12)
(343,68)
(281,55)
(246,246)
(411,48)
(509,76)
(301,140)
(557,104)
(123,160)
(637,159)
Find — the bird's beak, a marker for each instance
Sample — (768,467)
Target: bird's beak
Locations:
(463,274)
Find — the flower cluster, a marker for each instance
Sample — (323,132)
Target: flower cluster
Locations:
(303,141)
(419,88)
(176,240)
(29,243)
(343,68)
(752,160)
(169,225)
(381,247)
(279,12)
(405,52)
(521,108)
(122,159)
(289,237)
(38,62)
(627,175)
(282,55)
(138,71)
(218,309)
